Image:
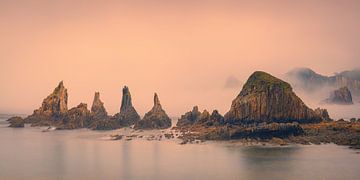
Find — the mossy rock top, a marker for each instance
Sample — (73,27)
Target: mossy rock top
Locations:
(261,81)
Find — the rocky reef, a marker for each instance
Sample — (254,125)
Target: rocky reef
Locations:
(340,96)
(265,98)
(156,118)
(267,110)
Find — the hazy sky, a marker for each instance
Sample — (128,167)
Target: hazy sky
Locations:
(185,50)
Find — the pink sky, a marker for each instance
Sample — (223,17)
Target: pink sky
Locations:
(183,50)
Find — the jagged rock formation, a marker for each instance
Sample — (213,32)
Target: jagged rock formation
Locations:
(128,115)
(56,102)
(308,80)
(53,108)
(156,118)
(265,98)
(54,112)
(340,96)
(323,113)
(98,111)
(16,122)
(76,117)
(204,118)
(189,118)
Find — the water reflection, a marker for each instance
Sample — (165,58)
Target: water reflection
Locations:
(80,154)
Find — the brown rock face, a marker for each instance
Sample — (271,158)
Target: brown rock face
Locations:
(195,117)
(76,117)
(128,115)
(156,118)
(340,96)
(56,102)
(53,108)
(323,113)
(189,118)
(16,122)
(265,98)
(98,110)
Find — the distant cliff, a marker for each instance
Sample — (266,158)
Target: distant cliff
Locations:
(310,81)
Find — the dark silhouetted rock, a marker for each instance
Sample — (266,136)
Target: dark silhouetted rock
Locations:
(76,117)
(195,117)
(265,98)
(98,110)
(156,118)
(128,115)
(16,122)
(107,124)
(340,96)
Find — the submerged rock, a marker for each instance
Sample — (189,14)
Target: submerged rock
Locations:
(16,122)
(340,96)
(265,98)
(156,118)
(98,111)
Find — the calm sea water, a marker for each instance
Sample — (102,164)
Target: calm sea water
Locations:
(28,153)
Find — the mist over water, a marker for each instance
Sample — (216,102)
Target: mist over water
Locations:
(28,153)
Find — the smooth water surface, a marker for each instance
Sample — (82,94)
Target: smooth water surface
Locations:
(28,153)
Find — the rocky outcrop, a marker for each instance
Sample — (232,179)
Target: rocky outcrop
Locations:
(265,98)
(76,117)
(54,112)
(156,118)
(16,122)
(323,113)
(340,96)
(53,108)
(98,111)
(56,103)
(128,115)
(189,118)
(205,118)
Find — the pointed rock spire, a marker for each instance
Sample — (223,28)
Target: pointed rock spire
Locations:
(126,99)
(128,115)
(56,102)
(97,109)
(156,118)
(157,105)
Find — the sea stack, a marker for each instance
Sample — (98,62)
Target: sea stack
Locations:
(340,96)
(156,118)
(98,110)
(265,98)
(128,115)
(53,107)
